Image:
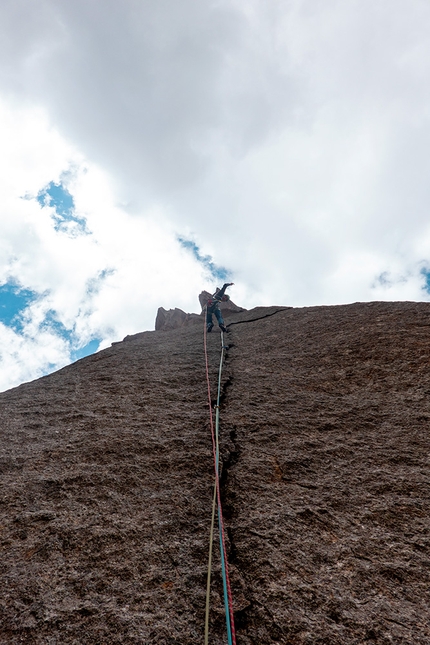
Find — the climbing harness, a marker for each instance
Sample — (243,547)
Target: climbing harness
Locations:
(228,601)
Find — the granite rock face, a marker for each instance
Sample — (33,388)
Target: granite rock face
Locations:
(107,475)
(168,319)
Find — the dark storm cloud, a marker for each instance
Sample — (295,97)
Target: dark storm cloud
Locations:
(145,88)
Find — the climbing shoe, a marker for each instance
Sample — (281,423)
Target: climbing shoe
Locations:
(223,328)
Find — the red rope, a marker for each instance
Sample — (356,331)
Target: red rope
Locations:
(229,594)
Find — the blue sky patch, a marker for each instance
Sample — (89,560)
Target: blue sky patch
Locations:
(58,197)
(53,324)
(217,272)
(87,350)
(426,274)
(14,311)
(13,301)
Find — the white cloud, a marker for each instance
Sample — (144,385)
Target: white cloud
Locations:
(26,357)
(288,139)
(103,284)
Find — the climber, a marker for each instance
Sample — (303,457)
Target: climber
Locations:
(212,307)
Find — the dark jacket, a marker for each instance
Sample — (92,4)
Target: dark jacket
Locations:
(213,302)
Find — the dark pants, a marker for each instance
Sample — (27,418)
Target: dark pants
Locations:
(218,316)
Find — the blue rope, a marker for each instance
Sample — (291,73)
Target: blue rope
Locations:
(221,545)
(231,636)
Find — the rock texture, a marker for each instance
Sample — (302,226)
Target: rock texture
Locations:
(107,480)
(168,319)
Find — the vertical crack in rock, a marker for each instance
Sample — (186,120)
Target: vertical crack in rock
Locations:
(248,611)
(229,456)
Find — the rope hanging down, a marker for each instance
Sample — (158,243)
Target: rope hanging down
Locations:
(228,601)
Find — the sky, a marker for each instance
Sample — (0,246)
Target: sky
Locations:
(150,149)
